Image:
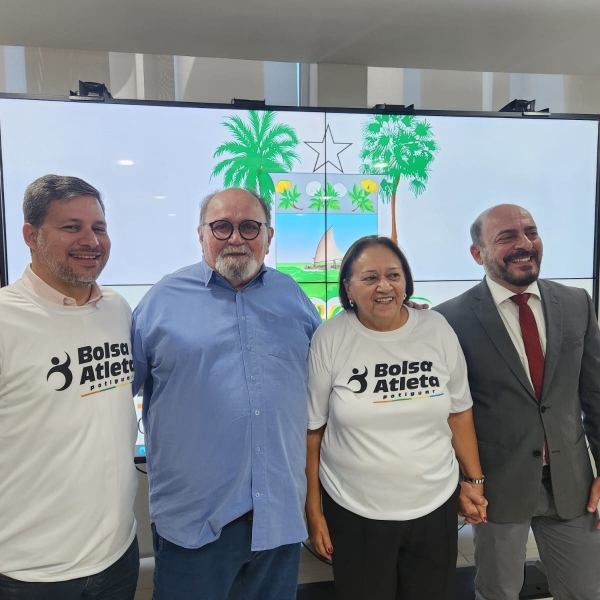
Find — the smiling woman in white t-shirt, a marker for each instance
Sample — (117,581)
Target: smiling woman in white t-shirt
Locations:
(390,428)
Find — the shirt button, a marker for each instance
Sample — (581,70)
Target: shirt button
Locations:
(252,377)
(257,495)
(537,453)
(257,412)
(247,346)
(243,318)
(258,448)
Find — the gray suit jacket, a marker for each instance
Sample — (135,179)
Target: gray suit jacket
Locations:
(510,422)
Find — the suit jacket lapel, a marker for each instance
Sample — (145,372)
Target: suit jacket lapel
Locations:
(553,319)
(486,311)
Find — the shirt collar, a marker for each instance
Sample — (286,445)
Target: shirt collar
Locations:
(212,275)
(40,288)
(501,294)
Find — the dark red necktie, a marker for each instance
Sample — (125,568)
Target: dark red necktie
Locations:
(533,348)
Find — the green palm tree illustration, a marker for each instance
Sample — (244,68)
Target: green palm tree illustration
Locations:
(259,147)
(398,146)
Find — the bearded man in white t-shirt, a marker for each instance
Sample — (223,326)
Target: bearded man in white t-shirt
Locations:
(67,421)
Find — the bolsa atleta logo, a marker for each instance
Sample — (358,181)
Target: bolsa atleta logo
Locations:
(98,369)
(396,382)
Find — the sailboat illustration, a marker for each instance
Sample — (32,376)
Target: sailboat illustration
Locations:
(327,255)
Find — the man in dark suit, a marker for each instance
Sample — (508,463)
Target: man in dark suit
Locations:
(533,354)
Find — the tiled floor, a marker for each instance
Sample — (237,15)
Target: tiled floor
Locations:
(312,569)
(144,587)
(466,549)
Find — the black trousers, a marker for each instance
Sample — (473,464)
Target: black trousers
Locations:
(393,560)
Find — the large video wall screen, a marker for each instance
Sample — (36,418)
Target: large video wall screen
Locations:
(331,177)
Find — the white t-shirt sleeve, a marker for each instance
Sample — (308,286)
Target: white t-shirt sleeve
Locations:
(458,384)
(319,386)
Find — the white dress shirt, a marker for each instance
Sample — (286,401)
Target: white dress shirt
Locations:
(509,313)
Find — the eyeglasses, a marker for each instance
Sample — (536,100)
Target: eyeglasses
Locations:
(223,230)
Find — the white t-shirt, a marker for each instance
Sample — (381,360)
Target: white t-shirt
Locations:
(67,436)
(386,452)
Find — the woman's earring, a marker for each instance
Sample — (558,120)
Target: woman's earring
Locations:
(403,299)
(351,304)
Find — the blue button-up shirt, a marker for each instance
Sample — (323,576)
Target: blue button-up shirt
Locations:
(225,407)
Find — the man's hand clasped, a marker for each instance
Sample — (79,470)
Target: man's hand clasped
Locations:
(472,504)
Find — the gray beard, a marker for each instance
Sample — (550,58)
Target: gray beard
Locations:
(237,268)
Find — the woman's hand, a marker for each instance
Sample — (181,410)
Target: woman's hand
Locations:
(319,534)
(472,504)
(471,501)
(317,526)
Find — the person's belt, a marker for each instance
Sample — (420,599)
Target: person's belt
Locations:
(245,517)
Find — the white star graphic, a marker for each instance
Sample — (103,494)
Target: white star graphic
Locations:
(328,151)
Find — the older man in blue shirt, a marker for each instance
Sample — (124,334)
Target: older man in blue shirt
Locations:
(221,348)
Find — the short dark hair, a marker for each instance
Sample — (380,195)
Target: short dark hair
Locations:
(477,226)
(53,188)
(207,200)
(357,248)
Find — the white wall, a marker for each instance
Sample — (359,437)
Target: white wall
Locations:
(53,72)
